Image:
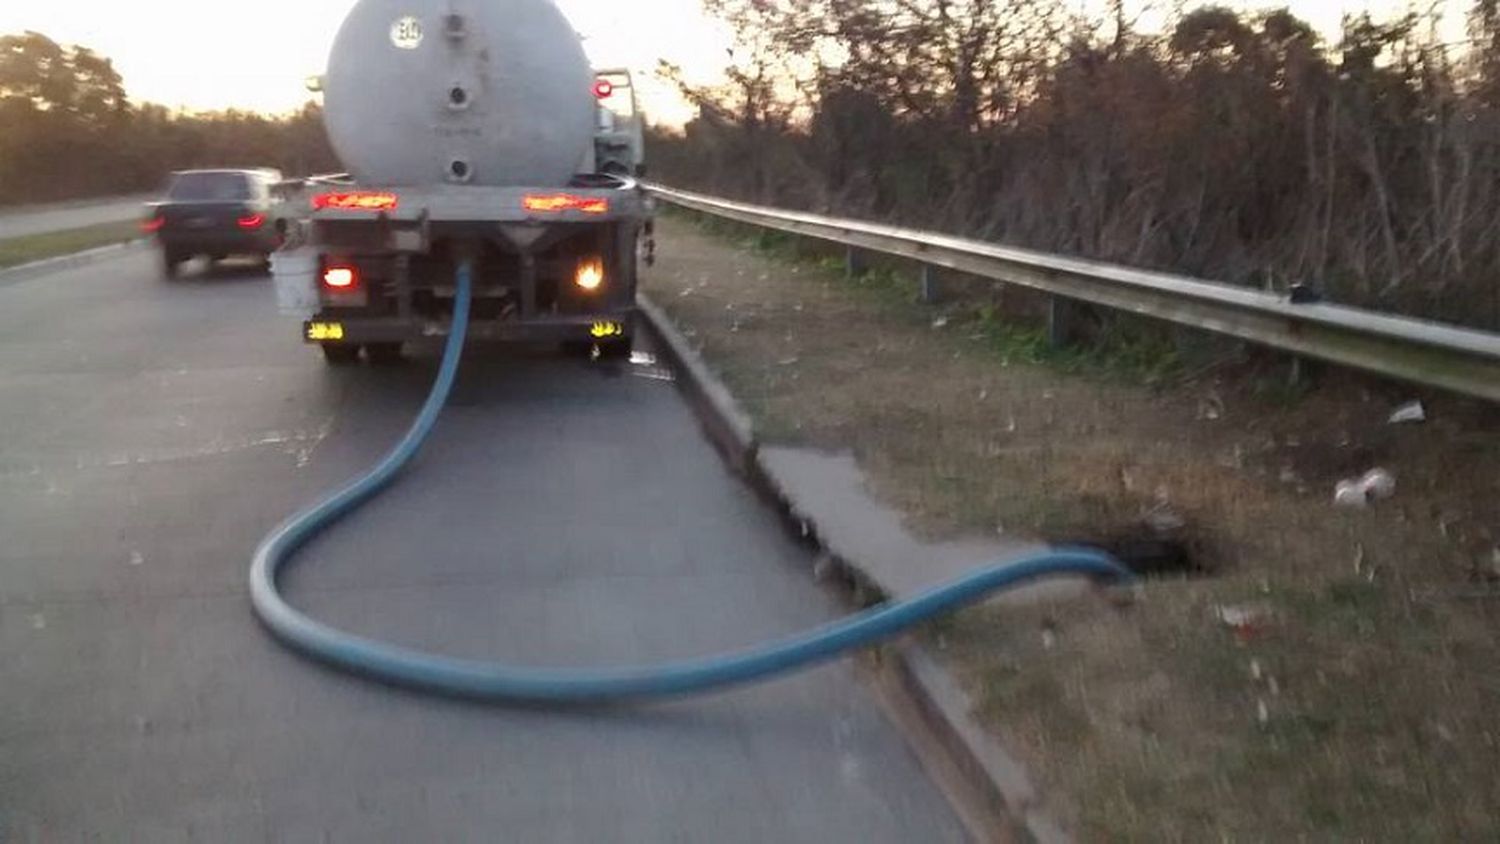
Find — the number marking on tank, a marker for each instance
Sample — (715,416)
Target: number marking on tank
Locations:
(406,33)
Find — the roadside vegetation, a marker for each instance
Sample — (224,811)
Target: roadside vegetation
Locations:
(71,131)
(1243,147)
(1322,673)
(23,250)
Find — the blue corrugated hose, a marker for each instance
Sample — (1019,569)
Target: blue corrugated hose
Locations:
(467,678)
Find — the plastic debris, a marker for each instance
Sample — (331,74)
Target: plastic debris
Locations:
(1379,483)
(1211,407)
(1349,493)
(1247,620)
(1409,412)
(940,322)
(1163,519)
(1375,485)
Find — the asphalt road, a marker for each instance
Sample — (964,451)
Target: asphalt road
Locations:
(564,513)
(42,219)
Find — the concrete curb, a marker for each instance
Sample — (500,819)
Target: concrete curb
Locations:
(21,272)
(728,425)
(921,687)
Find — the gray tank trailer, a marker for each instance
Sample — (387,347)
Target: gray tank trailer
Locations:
(471,130)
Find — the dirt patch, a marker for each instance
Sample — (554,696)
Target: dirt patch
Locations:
(1335,677)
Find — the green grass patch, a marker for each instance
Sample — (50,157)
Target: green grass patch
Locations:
(1124,348)
(23,250)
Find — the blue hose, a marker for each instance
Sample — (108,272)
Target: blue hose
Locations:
(492,681)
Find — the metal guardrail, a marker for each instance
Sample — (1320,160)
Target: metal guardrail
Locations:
(1429,353)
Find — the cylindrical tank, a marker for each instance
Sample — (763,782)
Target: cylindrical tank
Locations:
(483,92)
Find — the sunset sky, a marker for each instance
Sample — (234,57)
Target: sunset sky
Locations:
(210,55)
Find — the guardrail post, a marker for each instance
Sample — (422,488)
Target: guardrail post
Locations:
(931,285)
(854,263)
(1059,321)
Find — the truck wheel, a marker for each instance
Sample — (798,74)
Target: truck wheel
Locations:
(171,263)
(383,354)
(340,354)
(618,349)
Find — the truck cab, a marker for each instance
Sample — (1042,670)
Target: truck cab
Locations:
(619,146)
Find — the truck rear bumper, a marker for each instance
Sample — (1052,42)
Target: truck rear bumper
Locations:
(601,327)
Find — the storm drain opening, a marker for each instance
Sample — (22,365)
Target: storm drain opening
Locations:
(1150,554)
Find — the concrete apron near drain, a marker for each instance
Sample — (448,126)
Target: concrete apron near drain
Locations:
(829,491)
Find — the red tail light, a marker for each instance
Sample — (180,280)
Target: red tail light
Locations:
(356,201)
(154,224)
(252,222)
(341,277)
(554,202)
(603,88)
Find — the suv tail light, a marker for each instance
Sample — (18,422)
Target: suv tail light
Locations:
(252,221)
(154,224)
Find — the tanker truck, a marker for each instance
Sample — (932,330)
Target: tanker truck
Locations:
(471,130)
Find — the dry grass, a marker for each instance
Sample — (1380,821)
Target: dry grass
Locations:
(1364,708)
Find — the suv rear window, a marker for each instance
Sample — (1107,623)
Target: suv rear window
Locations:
(210,187)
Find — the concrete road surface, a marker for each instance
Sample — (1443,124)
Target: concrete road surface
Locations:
(26,220)
(565,513)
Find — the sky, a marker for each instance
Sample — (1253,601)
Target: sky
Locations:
(209,54)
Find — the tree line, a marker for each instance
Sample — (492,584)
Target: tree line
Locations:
(68,130)
(1238,146)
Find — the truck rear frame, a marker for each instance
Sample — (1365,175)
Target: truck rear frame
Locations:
(554,265)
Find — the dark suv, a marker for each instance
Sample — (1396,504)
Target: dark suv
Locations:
(216,213)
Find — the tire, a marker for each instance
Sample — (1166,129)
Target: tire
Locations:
(617,349)
(171,264)
(383,354)
(340,354)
